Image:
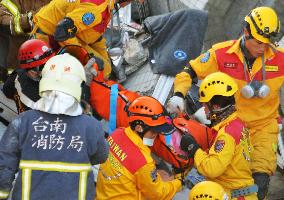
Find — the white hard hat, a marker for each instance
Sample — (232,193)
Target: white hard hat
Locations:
(63,73)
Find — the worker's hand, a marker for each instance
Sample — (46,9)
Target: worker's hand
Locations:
(65,30)
(93,67)
(189,144)
(176,105)
(165,175)
(181,175)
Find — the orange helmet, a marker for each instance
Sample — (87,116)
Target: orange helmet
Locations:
(151,112)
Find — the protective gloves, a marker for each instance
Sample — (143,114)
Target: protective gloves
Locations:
(176,105)
(189,144)
(65,30)
(92,68)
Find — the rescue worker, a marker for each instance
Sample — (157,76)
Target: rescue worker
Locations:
(257,66)
(15,23)
(228,160)
(130,171)
(53,146)
(77,22)
(23,84)
(205,189)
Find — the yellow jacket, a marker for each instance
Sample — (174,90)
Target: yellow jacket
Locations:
(130,172)
(228,58)
(228,160)
(90,17)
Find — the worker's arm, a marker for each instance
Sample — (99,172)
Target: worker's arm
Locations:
(151,185)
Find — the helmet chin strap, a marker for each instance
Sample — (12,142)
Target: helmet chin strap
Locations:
(145,128)
(243,47)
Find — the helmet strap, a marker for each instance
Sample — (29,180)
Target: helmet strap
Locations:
(145,127)
(245,51)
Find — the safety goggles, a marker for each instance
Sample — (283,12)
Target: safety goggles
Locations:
(36,69)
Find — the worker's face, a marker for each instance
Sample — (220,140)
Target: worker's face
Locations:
(206,110)
(150,134)
(208,113)
(255,47)
(35,73)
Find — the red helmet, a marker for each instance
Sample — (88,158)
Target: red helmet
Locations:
(34,53)
(151,112)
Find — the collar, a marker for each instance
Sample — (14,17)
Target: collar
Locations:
(236,49)
(218,126)
(134,137)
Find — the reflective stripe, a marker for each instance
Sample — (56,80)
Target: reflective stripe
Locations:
(82,185)
(28,166)
(11,7)
(26,184)
(4,195)
(54,166)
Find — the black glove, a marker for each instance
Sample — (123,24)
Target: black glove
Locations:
(65,29)
(189,144)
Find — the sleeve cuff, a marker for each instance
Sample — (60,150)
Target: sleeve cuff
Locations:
(4,195)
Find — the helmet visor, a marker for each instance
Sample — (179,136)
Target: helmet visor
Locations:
(165,129)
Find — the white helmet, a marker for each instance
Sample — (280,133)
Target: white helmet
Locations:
(63,73)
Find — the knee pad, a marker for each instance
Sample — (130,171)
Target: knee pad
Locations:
(262,181)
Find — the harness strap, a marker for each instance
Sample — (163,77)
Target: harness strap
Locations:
(244,191)
(113,106)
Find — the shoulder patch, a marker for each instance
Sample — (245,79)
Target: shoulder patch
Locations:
(205,57)
(88,18)
(180,55)
(235,128)
(219,145)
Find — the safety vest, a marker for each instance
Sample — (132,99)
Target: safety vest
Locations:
(55,160)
